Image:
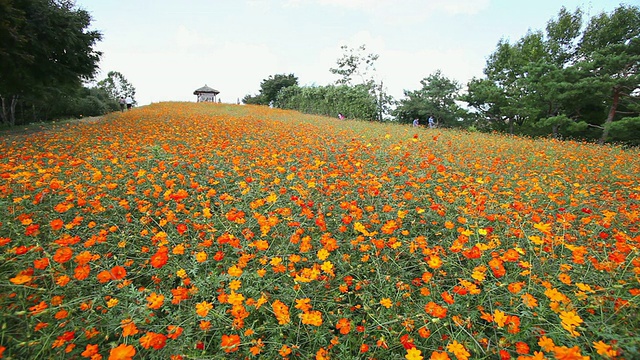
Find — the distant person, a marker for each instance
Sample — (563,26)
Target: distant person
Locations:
(129,102)
(122,103)
(432,122)
(340,116)
(416,122)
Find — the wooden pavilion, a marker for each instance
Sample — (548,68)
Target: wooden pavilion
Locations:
(206,93)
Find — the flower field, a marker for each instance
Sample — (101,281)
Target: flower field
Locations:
(211,231)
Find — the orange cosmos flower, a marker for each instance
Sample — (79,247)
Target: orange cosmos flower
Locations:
(344,326)
(173,332)
(56,224)
(435,310)
(81,272)
(205,325)
(61,314)
(522,348)
(604,349)
(439,355)
(90,350)
(203,308)
(63,255)
(160,258)
(281,311)
(515,287)
(497,268)
(565,353)
(118,272)
(62,280)
(546,343)
(83,258)
(570,320)
(284,351)
(500,318)
(303,304)
(447,298)
(178,249)
(122,352)
(201,256)
(154,340)
(529,301)
(40,326)
(458,350)
(322,354)
(413,354)
(312,318)
(235,271)
(434,262)
(181,228)
(103,276)
(179,294)
(155,301)
(424,332)
(128,327)
(386,302)
(230,343)
(41,264)
(21,279)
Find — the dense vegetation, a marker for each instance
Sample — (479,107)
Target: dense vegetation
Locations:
(47,54)
(222,231)
(572,80)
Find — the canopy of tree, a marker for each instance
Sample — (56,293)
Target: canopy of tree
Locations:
(269,89)
(46,52)
(566,81)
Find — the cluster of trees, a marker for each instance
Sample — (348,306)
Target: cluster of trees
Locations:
(572,80)
(48,54)
(569,80)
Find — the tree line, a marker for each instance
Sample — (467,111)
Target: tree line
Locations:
(575,79)
(47,57)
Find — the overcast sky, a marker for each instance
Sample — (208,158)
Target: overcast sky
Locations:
(167,49)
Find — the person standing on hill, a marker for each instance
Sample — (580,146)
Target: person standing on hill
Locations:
(432,123)
(129,102)
(122,103)
(416,122)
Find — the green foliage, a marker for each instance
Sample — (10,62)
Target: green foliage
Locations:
(626,130)
(566,81)
(269,89)
(354,63)
(47,47)
(117,86)
(352,101)
(436,98)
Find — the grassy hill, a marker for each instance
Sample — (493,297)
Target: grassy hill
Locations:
(183,231)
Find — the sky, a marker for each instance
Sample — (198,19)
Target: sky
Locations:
(167,49)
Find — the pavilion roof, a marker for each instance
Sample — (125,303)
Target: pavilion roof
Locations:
(206,90)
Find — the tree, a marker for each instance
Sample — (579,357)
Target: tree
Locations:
(45,46)
(436,98)
(566,81)
(354,63)
(269,89)
(352,101)
(610,49)
(117,86)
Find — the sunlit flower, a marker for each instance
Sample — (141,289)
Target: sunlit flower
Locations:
(230,343)
(281,312)
(122,352)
